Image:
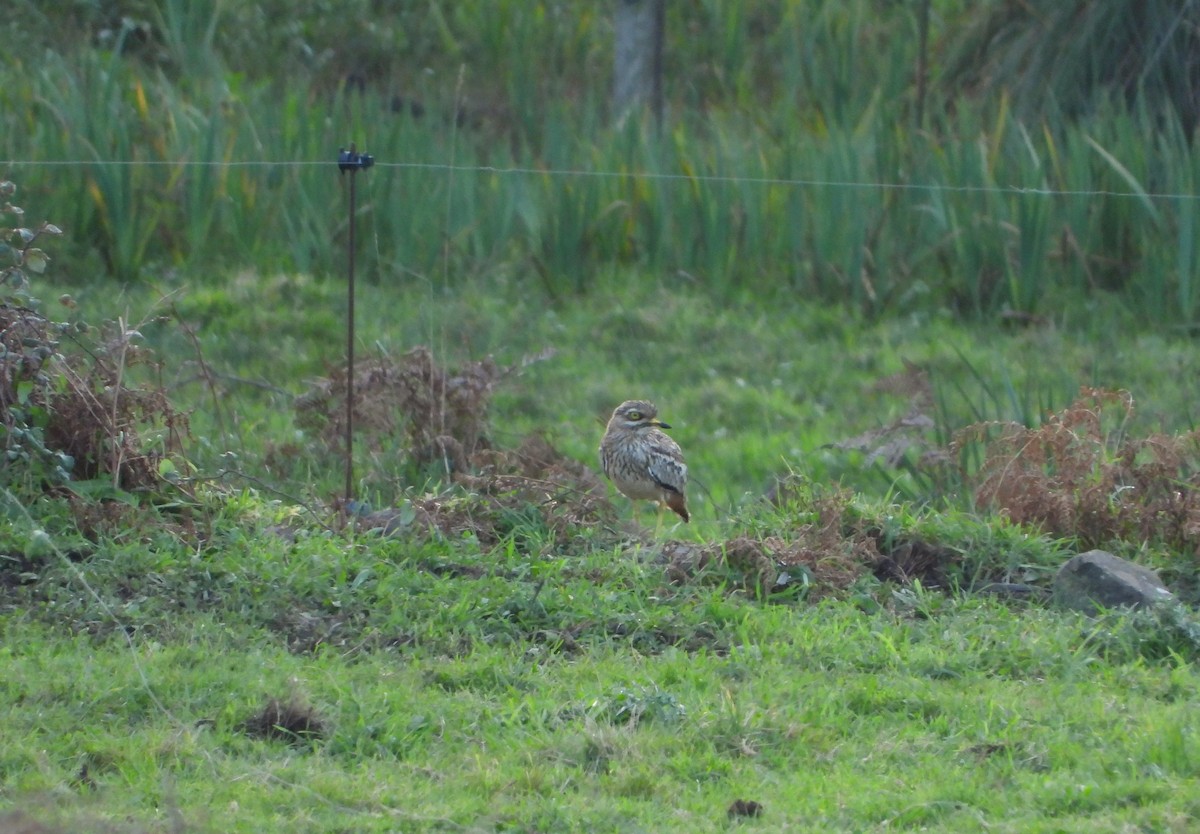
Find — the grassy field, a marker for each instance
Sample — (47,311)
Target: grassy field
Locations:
(858,325)
(557,680)
(668,706)
(263,679)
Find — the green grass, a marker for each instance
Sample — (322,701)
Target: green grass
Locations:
(537,685)
(754,389)
(453,711)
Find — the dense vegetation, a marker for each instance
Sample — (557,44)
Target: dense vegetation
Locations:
(919,340)
(791,161)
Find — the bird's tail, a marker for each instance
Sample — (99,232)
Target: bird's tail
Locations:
(677,502)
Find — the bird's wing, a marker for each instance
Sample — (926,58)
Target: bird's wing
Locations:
(666,465)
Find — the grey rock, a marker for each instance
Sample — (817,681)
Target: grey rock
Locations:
(1096,580)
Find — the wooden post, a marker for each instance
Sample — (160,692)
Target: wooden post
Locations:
(922,60)
(638,57)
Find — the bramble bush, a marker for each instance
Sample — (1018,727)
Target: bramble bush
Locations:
(69,411)
(29,352)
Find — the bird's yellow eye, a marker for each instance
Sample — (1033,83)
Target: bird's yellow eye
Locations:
(634,415)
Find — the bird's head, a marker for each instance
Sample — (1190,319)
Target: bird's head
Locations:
(638,414)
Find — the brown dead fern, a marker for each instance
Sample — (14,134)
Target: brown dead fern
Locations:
(438,414)
(1079,475)
(831,550)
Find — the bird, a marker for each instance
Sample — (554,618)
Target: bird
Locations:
(641,460)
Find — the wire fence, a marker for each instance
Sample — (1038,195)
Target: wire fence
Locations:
(501,170)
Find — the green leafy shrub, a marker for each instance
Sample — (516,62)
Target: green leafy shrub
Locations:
(29,345)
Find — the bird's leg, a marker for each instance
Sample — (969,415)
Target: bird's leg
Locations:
(635,512)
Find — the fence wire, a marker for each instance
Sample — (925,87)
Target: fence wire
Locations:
(566,173)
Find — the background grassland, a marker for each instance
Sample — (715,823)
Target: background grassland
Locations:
(790,162)
(804,253)
(754,390)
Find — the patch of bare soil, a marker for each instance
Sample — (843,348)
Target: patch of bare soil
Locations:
(909,560)
(16,822)
(288,719)
(744,808)
(56,820)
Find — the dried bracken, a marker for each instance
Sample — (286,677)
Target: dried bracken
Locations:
(1079,475)
(410,398)
(831,553)
(533,486)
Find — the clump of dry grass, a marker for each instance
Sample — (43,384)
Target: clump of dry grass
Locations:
(569,495)
(112,428)
(427,415)
(833,550)
(437,414)
(1079,475)
(532,485)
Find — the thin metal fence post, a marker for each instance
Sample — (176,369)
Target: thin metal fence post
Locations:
(352,161)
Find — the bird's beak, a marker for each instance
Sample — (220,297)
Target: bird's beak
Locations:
(660,424)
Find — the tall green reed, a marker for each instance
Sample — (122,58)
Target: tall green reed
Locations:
(795,172)
(103,119)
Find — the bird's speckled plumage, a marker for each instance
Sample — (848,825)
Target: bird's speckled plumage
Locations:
(641,460)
